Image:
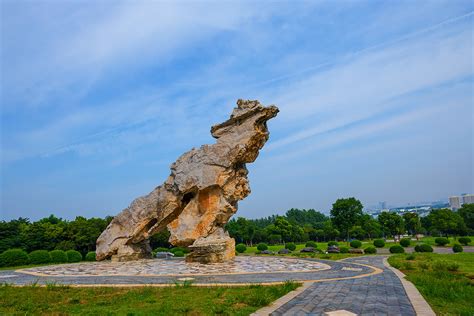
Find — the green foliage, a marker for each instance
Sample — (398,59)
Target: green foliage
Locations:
(405,242)
(379,243)
(39,257)
(162,249)
(343,250)
(412,223)
(423,248)
(442,241)
(311,244)
(370,250)
(90,256)
(410,257)
(467,214)
(333,243)
(58,256)
(178,253)
(346,212)
(73,256)
(356,244)
(13,257)
(457,248)
(391,222)
(175,249)
(10,233)
(240,248)
(290,246)
(397,249)
(447,221)
(464,240)
(262,246)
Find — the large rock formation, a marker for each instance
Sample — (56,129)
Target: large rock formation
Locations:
(199,196)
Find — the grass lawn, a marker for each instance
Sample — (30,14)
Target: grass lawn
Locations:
(28,266)
(64,300)
(445,280)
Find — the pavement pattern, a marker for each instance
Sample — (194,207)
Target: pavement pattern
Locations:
(378,294)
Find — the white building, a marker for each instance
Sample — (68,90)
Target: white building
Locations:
(467,199)
(455,202)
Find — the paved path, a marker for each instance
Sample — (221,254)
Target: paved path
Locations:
(379,294)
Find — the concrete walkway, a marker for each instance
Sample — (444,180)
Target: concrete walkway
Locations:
(378,294)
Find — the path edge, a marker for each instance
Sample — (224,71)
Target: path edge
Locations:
(420,305)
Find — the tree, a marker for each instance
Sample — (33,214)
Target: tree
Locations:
(370,225)
(345,213)
(412,223)
(392,223)
(447,222)
(357,232)
(467,213)
(10,233)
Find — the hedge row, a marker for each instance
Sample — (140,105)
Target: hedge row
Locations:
(18,257)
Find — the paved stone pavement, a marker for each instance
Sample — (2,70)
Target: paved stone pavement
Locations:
(380,294)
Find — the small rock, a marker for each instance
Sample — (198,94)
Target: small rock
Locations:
(284,251)
(266,252)
(356,250)
(308,249)
(333,249)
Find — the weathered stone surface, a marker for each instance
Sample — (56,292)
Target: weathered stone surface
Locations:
(199,196)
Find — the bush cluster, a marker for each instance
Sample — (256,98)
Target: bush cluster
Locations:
(344,250)
(58,256)
(311,244)
(176,249)
(90,256)
(423,248)
(333,243)
(39,257)
(457,248)
(290,246)
(262,246)
(397,249)
(178,253)
(464,240)
(405,242)
(14,257)
(379,243)
(370,250)
(442,241)
(356,243)
(240,248)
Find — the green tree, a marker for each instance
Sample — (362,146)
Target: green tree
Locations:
(467,213)
(370,226)
(391,223)
(412,223)
(344,213)
(447,222)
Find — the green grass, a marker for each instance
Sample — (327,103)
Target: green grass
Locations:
(29,266)
(179,300)
(448,292)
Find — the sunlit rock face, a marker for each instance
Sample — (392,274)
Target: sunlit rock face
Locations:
(199,196)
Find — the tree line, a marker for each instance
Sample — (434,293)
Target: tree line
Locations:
(346,221)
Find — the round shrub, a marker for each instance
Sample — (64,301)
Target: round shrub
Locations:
(179,253)
(423,248)
(58,256)
(174,249)
(262,246)
(397,249)
(240,248)
(356,243)
(379,243)
(343,250)
(40,256)
(370,250)
(441,241)
(464,240)
(405,242)
(333,243)
(311,244)
(457,248)
(73,256)
(13,257)
(290,246)
(90,256)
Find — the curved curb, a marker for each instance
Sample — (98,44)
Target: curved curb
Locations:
(419,303)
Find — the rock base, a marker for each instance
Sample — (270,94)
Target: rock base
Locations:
(133,252)
(212,250)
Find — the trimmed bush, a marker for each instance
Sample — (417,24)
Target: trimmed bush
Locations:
(39,257)
(370,250)
(174,249)
(464,240)
(333,243)
(311,244)
(90,256)
(179,253)
(423,248)
(405,242)
(356,243)
(240,248)
(14,257)
(58,256)
(379,243)
(73,256)
(397,249)
(262,246)
(457,248)
(162,249)
(290,246)
(441,241)
(344,250)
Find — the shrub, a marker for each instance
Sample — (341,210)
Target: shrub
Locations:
(397,249)
(58,256)
(379,243)
(73,256)
(457,248)
(311,244)
(410,257)
(440,266)
(464,240)
(179,253)
(13,257)
(423,265)
(441,241)
(290,246)
(162,249)
(423,248)
(452,266)
(356,243)
(40,256)
(344,250)
(262,246)
(407,266)
(90,256)
(175,249)
(405,242)
(333,243)
(240,248)
(370,250)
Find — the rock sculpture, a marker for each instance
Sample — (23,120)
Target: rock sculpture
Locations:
(199,196)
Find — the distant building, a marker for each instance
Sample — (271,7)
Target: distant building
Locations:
(468,199)
(455,202)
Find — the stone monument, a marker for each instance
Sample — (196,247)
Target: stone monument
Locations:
(199,196)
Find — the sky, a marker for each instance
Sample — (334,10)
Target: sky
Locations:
(98,98)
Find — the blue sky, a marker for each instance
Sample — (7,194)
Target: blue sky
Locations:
(99,98)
